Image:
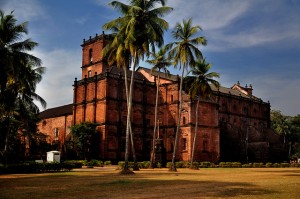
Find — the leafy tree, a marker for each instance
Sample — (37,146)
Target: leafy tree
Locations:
(280,124)
(141,29)
(199,86)
(289,128)
(160,62)
(294,137)
(20,72)
(83,135)
(185,53)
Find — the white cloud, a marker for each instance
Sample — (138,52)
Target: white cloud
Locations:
(281,92)
(219,18)
(209,15)
(62,67)
(24,10)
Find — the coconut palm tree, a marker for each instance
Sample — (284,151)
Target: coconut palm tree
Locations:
(116,54)
(199,85)
(142,28)
(184,52)
(19,73)
(160,62)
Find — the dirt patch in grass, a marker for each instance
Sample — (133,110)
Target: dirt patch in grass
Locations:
(155,183)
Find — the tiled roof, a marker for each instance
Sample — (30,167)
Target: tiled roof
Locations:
(161,74)
(234,92)
(116,71)
(57,111)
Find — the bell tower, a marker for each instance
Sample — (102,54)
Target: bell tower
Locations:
(92,59)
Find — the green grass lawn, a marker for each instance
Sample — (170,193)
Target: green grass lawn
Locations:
(155,183)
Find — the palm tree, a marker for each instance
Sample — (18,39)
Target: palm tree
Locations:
(199,85)
(184,51)
(160,62)
(142,29)
(19,73)
(13,56)
(116,54)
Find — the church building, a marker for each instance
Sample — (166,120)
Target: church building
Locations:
(233,126)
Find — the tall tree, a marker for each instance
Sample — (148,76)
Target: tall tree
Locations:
(199,85)
(160,62)
(19,74)
(142,29)
(185,52)
(116,54)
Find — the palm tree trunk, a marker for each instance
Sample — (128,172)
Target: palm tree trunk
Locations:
(196,128)
(155,124)
(5,152)
(130,129)
(173,168)
(129,108)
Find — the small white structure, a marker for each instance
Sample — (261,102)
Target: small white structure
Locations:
(53,156)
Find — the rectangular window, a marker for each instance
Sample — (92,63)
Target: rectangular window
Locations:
(184,144)
(56,132)
(89,73)
(91,55)
(205,145)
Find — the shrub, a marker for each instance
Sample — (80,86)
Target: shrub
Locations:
(121,164)
(32,167)
(106,163)
(179,164)
(236,165)
(68,166)
(269,165)
(159,165)
(169,165)
(258,165)
(195,165)
(146,164)
(76,163)
(205,164)
(285,164)
(276,165)
(225,164)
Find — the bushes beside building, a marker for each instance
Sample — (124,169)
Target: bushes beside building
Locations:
(33,167)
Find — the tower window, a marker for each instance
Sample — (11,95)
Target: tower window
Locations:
(91,55)
(171,98)
(89,73)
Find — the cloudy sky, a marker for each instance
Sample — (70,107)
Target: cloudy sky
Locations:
(252,41)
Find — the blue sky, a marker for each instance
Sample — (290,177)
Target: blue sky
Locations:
(252,41)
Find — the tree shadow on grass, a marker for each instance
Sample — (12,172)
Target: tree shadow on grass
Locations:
(283,172)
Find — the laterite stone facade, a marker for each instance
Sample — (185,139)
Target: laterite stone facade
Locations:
(233,126)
